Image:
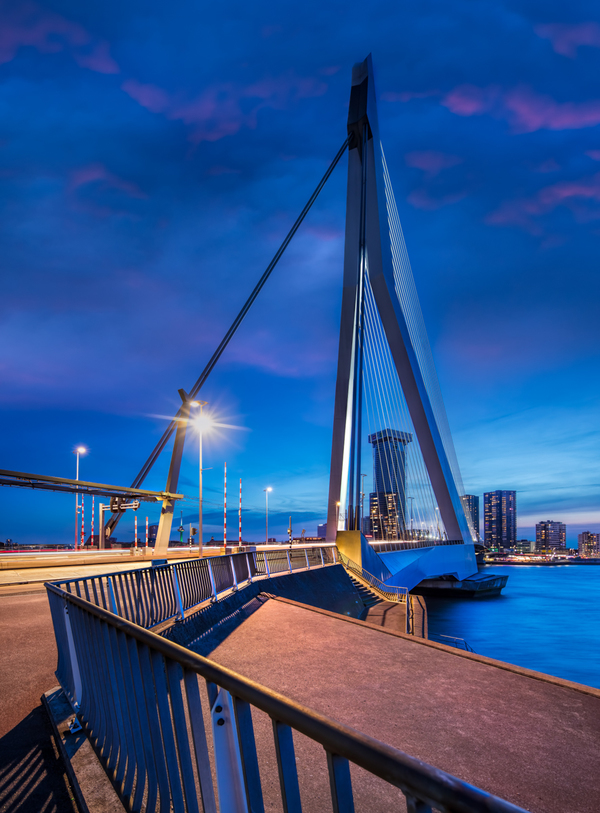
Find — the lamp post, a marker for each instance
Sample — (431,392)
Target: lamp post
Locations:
(201,423)
(411,515)
(266,490)
(78,451)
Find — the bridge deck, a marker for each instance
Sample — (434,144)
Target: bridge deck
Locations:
(526,737)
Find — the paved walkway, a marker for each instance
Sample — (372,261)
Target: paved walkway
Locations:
(528,738)
(32,776)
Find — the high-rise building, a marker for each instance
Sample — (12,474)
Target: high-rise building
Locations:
(588,544)
(500,519)
(387,503)
(471,508)
(550,535)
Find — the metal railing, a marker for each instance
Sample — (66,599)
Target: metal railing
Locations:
(388,592)
(150,596)
(138,697)
(450,640)
(388,547)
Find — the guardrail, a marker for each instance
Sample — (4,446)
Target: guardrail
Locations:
(388,592)
(450,640)
(387,547)
(138,698)
(153,595)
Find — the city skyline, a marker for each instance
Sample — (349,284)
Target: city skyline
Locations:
(147,183)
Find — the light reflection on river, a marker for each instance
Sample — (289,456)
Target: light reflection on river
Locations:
(547,619)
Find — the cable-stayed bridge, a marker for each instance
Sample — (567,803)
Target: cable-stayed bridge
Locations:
(395,503)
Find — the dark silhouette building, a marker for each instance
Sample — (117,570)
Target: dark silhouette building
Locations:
(500,519)
(387,503)
(471,507)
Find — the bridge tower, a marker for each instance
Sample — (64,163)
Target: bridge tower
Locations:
(378,283)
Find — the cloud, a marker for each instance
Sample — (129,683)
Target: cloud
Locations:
(407,95)
(222,109)
(422,199)
(431,162)
(98,59)
(566,38)
(593,154)
(522,212)
(525,110)
(28,24)
(98,172)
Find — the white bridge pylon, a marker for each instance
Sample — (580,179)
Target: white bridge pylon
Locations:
(378,277)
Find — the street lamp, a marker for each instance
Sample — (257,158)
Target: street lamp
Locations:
(266,490)
(411,515)
(202,423)
(78,451)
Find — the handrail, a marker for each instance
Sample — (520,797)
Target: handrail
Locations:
(154,595)
(450,640)
(383,546)
(152,750)
(389,592)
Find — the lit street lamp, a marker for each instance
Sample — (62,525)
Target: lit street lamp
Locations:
(266,490)
(78,451)
(202,423)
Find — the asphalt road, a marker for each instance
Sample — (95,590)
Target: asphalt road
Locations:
(32,776)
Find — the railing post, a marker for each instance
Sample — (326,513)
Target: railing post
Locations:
(287,553)
(177,591)
(340,784)
(111,593)
(322,560)
(408,612)
(306,557)
(235,584)
(212,580)
(231,787)
(267,571)
(76,688)
(248,560)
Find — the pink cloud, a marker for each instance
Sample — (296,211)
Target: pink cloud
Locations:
(407,95)
(522,212)
(28,24)
(98,59)
(149,96)
(105,180)
(469,100)
(593,154)
(421,199)
(566,39)
(217,111)
(524,109)
(431,162)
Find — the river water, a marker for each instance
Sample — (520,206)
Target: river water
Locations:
(547,619)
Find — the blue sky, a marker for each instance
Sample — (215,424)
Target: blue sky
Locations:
(151,160)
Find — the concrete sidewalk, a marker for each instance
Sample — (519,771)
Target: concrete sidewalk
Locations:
(529,738)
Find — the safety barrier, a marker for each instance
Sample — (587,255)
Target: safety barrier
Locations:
(138,697)
(388,547)
(387,591)
(152,595)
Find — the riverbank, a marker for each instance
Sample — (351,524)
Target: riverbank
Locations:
(547,619)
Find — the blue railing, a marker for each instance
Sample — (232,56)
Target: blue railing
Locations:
(153,595)
(157,715)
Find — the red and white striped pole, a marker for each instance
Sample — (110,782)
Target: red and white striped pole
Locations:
(92,531)
(146,531)
(82,523)
(135,543)
(240,516)
(225,509)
